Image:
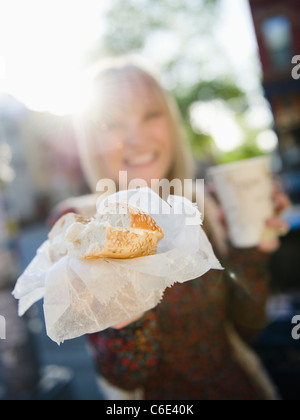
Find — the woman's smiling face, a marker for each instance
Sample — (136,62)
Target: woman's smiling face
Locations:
(133,131)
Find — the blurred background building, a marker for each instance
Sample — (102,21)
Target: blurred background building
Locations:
(277,26)
(44,161)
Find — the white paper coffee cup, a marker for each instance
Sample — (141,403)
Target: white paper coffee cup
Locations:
(244,189)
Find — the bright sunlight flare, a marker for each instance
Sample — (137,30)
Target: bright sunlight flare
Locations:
(42,46)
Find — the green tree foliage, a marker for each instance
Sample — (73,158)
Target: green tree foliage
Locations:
(131,22)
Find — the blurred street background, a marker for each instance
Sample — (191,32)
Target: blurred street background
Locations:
(234,67)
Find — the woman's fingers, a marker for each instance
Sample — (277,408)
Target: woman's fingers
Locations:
(278,224)
(281,200)
(270,246)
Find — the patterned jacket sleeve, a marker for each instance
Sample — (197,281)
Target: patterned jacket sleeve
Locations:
(248,276)
(127,357)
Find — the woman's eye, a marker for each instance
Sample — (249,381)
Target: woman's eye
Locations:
(153,115)
(107,127)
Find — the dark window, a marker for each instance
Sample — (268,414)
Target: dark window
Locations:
(277,34)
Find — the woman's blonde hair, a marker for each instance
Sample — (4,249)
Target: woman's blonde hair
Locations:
(183,166)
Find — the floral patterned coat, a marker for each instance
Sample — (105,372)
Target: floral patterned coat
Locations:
(191,345)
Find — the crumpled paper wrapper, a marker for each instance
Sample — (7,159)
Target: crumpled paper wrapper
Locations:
(87,296)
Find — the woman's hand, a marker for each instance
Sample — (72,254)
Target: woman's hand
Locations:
(277,223)
(128,322)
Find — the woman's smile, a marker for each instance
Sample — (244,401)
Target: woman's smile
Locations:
(141,160)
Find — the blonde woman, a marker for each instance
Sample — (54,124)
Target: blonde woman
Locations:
(193,345)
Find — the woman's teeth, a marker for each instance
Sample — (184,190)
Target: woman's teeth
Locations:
(141,160)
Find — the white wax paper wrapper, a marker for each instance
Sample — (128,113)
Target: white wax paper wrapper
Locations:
(87,296)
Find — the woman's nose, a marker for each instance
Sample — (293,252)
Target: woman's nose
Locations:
(134,136)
